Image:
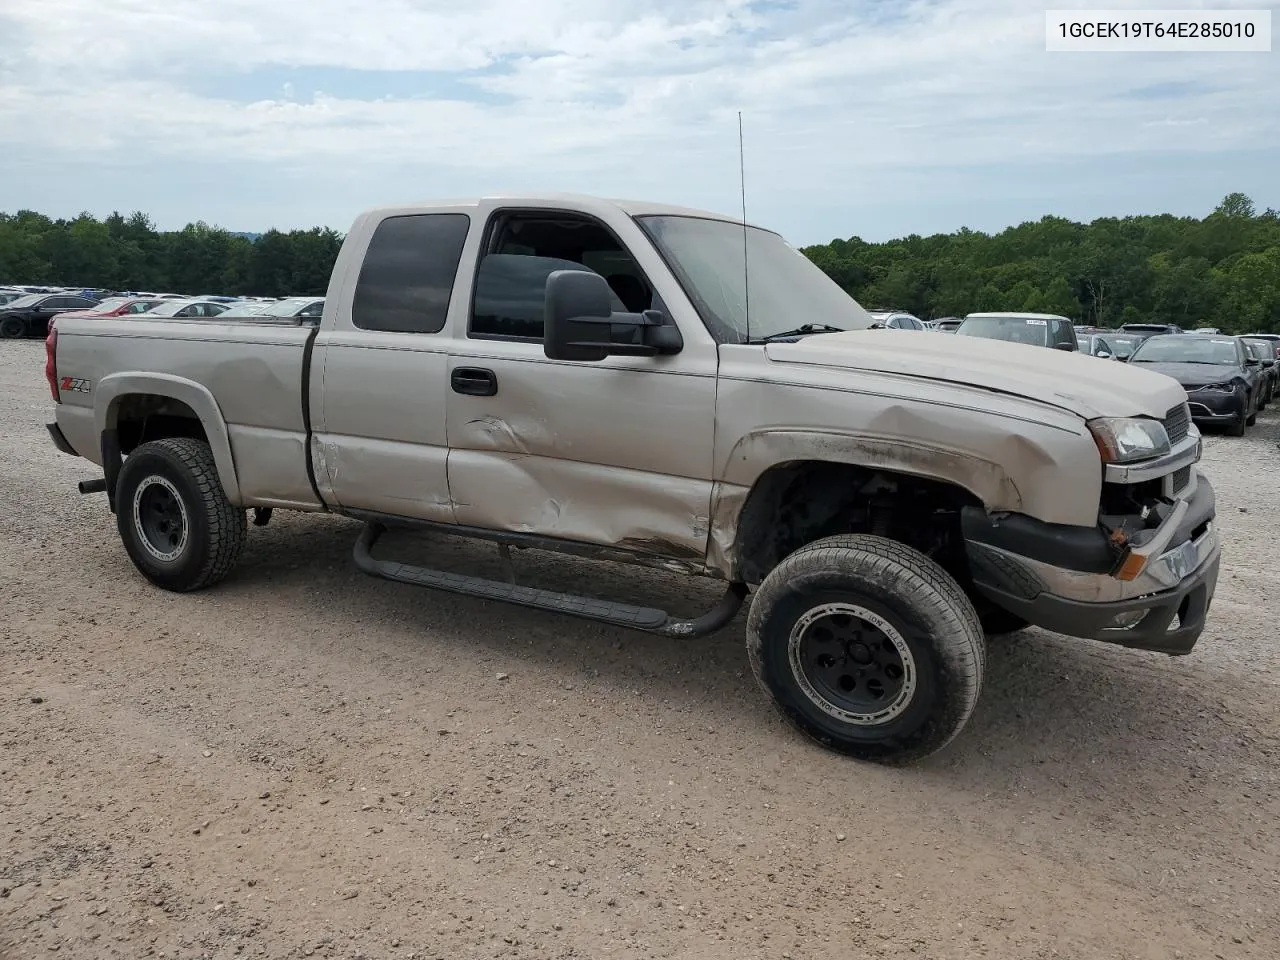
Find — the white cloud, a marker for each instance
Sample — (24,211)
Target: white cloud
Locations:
(844,100)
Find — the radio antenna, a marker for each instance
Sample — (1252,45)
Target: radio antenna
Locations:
(742,183)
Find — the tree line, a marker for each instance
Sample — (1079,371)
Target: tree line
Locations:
(129,253)
(1220,271)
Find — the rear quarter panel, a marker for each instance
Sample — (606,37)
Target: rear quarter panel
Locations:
(252,371)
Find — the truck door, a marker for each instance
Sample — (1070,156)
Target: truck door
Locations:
(379,399)
(617,452)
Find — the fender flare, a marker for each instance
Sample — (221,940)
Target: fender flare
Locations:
(111,389)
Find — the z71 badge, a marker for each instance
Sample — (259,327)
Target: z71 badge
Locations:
(76,386)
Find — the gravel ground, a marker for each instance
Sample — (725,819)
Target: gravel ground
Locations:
(305,762)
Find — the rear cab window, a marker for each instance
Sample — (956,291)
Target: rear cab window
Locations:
(406,279)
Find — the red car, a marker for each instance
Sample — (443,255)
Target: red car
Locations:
(116,307)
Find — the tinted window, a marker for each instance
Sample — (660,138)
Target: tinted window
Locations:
(510,294)
(408,272)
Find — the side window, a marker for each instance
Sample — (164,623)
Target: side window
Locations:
(408,272)
(312,309)
(524,249)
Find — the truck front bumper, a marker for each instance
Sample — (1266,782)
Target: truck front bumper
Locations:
(1057,579)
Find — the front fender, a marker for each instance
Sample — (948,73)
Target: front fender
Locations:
(112,389)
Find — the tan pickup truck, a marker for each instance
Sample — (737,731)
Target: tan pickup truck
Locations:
(597,378)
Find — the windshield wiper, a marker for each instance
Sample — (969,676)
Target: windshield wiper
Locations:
(799,331)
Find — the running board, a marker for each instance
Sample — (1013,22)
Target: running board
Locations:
(647,619)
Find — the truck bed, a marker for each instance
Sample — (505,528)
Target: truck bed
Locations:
(252,371)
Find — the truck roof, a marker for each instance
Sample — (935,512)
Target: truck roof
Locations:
(579,201)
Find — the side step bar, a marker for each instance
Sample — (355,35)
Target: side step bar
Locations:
(647,619)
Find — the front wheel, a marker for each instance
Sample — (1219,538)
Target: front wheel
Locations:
(868,647)
(176,523)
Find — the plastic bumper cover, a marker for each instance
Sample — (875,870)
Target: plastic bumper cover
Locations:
(1162,609)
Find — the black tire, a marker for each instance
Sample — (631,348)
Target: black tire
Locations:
(1252,419)
(12,328)
(914,668)
(1236,427)
(168,495)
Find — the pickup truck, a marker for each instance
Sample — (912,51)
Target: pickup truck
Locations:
(673,388)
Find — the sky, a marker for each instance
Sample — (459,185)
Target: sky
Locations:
(874,118)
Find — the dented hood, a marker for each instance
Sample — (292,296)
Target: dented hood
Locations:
(1085,385)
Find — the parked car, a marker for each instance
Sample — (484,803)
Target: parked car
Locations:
(889,499)
(1272,338)
(897,320)
(948,324)
(186,309)
(1114,346)
(1150,329)
(1035,329)
(30,315)
(117,307)
(1221,378)
(305,309)
(1263,352)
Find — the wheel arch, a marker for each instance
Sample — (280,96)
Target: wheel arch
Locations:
(132,408)
(781,503)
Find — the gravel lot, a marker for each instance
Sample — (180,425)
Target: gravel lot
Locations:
(307,762)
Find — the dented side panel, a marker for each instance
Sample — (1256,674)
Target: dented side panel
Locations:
(383,446)
(1009,452)
(615,453)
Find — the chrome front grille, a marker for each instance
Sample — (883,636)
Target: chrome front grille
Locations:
(1177,422)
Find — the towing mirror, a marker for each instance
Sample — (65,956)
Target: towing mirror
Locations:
(579,322)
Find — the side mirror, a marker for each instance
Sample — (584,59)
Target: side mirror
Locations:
(1252,362)
(1104,355)
(1064,346)
(579,322)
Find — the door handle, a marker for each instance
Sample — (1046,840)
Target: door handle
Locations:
(474,381)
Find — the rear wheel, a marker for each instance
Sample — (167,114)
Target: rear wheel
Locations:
(12,328)
(176,523)
(868,647)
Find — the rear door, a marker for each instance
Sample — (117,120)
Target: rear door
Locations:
(379,410)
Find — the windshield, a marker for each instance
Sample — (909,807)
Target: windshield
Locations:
(246,308)
(1258,349)
(1029,330)
(1180,348)
(286,308)
(106,306)
(786,289)
(168,308)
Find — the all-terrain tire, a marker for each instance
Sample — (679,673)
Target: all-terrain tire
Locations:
(12,328)
(868,647)
(174,518)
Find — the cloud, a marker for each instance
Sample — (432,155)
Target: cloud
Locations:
(847,102)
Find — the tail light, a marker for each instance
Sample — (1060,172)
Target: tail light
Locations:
(51,362)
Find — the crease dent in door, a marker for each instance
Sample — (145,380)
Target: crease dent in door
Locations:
(651,515)
(491,432)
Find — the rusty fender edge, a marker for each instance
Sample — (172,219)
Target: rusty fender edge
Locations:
(647,619)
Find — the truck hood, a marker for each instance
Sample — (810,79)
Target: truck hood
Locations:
(1087,386)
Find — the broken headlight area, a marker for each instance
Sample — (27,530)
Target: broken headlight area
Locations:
(1129,512)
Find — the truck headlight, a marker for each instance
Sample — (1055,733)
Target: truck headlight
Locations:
(1123,440)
